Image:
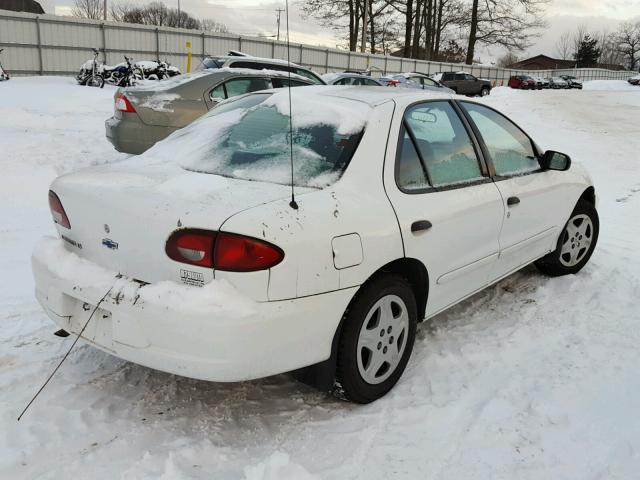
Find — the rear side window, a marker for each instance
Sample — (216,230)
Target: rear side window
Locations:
(307,74)
(284,82)
(510,149)
(443,145)
(239,86)
(460,76)
(410,172)
(371,83)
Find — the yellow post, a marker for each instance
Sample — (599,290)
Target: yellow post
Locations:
(188,56)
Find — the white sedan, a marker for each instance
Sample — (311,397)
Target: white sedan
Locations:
(194,258)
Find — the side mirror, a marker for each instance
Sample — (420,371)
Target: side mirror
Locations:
(552,160)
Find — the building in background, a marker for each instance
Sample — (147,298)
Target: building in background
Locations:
(542,62)
(30,6)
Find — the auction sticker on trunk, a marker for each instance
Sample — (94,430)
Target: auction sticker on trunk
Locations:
(192,278)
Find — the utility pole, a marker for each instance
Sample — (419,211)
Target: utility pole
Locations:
(104,11)
(179,22)
(363,43)
(279,11)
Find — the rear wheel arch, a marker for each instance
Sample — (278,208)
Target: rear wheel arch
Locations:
(322,375)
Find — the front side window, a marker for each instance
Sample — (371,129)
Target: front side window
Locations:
(510,149)
(443,144)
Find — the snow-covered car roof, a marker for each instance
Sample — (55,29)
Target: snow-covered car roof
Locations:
(249,58)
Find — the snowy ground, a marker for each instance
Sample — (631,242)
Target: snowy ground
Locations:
(534,378)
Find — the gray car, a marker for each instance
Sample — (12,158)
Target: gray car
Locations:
(147,114)
(346,78)
(464,83)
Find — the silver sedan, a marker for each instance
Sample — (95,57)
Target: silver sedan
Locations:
(146,114)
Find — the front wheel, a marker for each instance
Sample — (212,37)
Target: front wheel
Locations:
(377,339)
(484,92)
(95,81)
(576,243)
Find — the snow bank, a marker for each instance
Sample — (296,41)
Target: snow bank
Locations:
(218,297)
(278,467)
(610,85)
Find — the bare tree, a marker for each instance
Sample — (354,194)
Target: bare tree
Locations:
(340,15)
(564,46)
(508,23)
(157,13)
(507,59)
(609,53)
(628,41)
(88,9)
(210,25)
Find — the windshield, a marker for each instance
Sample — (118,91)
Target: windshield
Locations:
(249,139)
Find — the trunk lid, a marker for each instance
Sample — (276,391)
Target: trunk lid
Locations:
(121,217)
(165,108)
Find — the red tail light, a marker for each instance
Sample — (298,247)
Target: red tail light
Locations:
(393,82)
(123,104)
(57,211)
(222,251)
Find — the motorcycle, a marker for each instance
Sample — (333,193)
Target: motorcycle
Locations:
(157,70)
(90,72)
(3,73)
(122,75)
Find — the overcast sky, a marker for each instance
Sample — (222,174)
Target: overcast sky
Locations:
(254,17)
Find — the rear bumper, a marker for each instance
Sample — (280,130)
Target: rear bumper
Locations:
(132,136)
(210,333)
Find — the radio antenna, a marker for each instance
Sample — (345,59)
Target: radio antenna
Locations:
(292,203)
(66,354)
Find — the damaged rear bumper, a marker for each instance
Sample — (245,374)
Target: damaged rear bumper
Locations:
(178,328)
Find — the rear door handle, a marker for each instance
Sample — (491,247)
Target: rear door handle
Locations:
(420,225)
(513,201)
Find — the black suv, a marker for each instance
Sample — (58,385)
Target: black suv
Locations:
(464,83)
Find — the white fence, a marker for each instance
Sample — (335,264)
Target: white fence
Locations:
(53,45)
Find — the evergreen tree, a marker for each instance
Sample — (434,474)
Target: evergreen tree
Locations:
(588,52)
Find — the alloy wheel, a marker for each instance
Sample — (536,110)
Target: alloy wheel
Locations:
(382,339)
(576,240)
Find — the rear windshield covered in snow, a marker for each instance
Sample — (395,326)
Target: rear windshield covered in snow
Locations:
(249,139)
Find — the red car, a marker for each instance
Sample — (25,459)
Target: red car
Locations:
(522,81)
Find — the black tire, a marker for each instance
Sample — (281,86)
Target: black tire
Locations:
(484,91)
(555,263)
(353,386)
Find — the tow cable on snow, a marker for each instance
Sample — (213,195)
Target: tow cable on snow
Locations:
(70,348)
